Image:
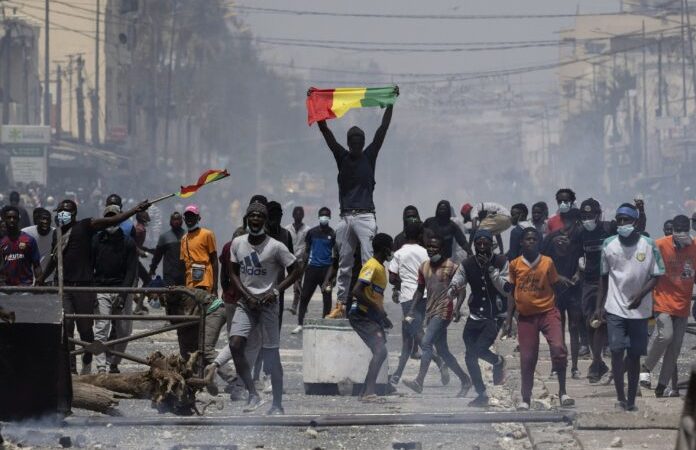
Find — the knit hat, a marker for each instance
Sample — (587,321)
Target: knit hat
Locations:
(485,234)
(257,207)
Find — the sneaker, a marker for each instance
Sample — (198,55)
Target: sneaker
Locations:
(414,385)
(297,330)
(499,372)
(101,370)
(113,368)
(567,400)
(631,408)
(444,375)
(253,403)
(553,375)
(659,391)
(464,390)
(620,406)
(575,374)
(523,406)
(275,411)
(86,369)
(293,310)
(481,401)
(394,379)
(669,392)
(338,312)
(268,386)
(583,351)
(645,379)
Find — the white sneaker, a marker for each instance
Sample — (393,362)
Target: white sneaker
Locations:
(645,379)
(268,386)
(523,406)
(297,330)
(86,369)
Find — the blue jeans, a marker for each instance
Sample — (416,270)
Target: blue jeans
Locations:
(436,336)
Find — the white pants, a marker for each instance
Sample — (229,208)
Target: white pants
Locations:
(352,230)
(108,304)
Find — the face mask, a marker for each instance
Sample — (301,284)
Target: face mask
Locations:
(589,225)
(564,207)
(193,227)
(625,230)
(682,239)
(435,258)
(260,232)
(324,220)
(64,217)
(112,230)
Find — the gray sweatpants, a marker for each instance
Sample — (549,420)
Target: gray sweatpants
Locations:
(351,231)
(667,340)
(112,304)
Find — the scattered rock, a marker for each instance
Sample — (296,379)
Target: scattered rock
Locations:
(65,441)
(167,435)
(311,433)
(518,434)
(617,442)
(109,425)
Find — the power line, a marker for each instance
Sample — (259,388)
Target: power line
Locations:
(261,10)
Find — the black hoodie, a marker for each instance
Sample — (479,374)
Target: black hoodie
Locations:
(447,230)
(400,239)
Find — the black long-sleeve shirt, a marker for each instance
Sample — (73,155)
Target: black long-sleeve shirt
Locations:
(115,259)
(167,250)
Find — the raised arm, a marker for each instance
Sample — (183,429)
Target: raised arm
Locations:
(461,239)
(103,223)
(381,132)
(336,148)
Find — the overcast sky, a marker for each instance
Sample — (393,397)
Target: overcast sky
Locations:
(407,30)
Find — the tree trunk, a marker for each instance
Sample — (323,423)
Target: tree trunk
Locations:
(93,398)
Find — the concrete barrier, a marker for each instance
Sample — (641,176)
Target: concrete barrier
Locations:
(335,359)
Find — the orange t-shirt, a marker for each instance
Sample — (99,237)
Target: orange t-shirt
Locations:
(672,294)
(196,247)
(533,285)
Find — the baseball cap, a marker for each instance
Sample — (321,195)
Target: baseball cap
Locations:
(466,208)
(112,209)
(192,209)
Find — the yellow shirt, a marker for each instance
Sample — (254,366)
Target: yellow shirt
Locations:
(374,276)
(196,247)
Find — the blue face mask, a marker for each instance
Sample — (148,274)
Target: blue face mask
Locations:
(63,217)
(625,230)
(324,220)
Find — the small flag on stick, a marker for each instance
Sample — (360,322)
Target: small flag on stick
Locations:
(207,177)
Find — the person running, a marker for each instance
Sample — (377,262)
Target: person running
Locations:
(540,215)
(671,304)
(318,259)
(442,225)
(115,265)
(298,232)
(518,219)
(631,265)
(42,232)
(564,249)
(356,185)
(76,247)
(594,232)
(533,278)
(198,252)
(403,275)
(168,252)
(21,259)
(486,273)
(367,315)
(565,198)
(435,276)
(256,262)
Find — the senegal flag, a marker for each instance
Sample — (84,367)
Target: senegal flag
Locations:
(325,104)
(206,177)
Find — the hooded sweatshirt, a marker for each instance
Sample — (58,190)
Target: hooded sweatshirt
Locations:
(444,227)
(400,239)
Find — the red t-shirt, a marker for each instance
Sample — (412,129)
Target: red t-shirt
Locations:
(18,258)
(554,223)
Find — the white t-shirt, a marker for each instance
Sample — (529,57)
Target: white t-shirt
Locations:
(298,239)
(405,263)
(629,269)
(260,265)
(44,243)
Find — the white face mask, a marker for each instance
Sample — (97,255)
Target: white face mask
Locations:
(625,230)
(590,225)
(682,239)
(260,232)
(564,207)
(324,220)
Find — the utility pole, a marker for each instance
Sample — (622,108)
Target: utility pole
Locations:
(645,109)
(691,44)
(47,71)
(59,101)
(165,150)
(80,99)
(7,48)
(95,99)
(70,94)
(683,61)
(660,97)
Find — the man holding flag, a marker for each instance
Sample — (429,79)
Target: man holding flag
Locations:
(356,171)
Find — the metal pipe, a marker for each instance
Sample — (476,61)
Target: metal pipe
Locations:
(333,420)
(196,295)
(201,339)
(191,319)
(145,334)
